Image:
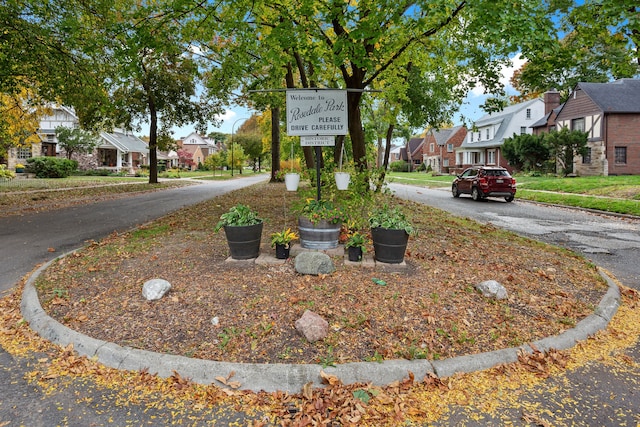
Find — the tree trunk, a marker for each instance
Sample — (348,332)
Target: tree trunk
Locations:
(275,142)
(385,162)
(153,144)
(356,131)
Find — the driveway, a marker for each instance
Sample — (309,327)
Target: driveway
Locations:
(28,240)
(611,242)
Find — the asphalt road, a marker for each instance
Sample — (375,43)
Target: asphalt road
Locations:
(611,242)
(25,240)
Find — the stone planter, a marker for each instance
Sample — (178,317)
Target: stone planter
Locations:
(244,240)
(323,235)
(389,244)
(291,181)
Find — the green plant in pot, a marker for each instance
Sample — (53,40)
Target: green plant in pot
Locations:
(319,223)
(243,228)
(390,230)
(355,245)
(281,240)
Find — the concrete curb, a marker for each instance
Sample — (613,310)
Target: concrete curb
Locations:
(292,377)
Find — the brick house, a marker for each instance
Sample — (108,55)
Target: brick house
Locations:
(610,114)
(412,152)
(438,150)
(199,147)
(482,145)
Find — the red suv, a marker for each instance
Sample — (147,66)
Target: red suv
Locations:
(484,181)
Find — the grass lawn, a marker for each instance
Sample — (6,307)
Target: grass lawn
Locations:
(620,194)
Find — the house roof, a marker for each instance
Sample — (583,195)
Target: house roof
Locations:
(545,120)
(443,135)
(620,96)
(125,142)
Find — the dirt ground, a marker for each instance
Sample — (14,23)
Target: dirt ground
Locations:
(428,309)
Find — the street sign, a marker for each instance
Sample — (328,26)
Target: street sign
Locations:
(320,140)
(316,112)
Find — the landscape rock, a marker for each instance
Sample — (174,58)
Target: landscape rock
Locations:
(492,289)
(314,263)
(312,326)
(155,289)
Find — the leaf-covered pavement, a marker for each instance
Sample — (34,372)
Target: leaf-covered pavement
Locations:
(421,401)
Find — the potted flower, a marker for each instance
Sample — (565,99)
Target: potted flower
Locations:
(282,242)
(243,229)
(390,230)
(319,224)
(19,168)
(355,246)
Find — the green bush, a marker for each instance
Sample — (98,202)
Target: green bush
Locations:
(399,166)
(6,174)
(51,167)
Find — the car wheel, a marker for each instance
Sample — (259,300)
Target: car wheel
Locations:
(475,194)
(509,199)
(454,191)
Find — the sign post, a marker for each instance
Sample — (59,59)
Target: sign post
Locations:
(317,116)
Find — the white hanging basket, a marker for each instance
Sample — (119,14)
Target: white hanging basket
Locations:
(292,180)
(342,180)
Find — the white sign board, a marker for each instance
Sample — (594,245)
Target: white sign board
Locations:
(316,112)
(315,141)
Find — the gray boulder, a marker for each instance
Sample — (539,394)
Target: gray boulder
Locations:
(312,326)
(492,289)
(155,289)
(314,263)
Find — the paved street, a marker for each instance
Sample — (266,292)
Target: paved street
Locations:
(26,239)
(611,242)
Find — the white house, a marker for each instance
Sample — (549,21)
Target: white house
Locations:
(117,150)
(483,143)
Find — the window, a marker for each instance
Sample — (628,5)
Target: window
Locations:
(471,136)
(487,133)
(578,124)
(491,157)
(431,148)
(24,153)
(449,148)
(445,162)
(523,130)
(528,113)
(586,158)
(621,155)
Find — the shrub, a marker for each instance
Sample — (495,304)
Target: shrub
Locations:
(399,166)
(51,167)
(6,174)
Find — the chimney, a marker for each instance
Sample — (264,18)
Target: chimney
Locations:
(551,100)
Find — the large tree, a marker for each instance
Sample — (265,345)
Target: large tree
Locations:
(354,45)
(600,41)
(155,75)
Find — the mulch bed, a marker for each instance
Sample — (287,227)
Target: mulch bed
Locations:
(429,309)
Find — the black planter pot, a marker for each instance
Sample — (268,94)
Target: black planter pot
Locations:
(389,244)
(282,251)
(244,240)
(355,253)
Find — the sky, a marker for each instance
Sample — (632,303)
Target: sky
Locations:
(470,109)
